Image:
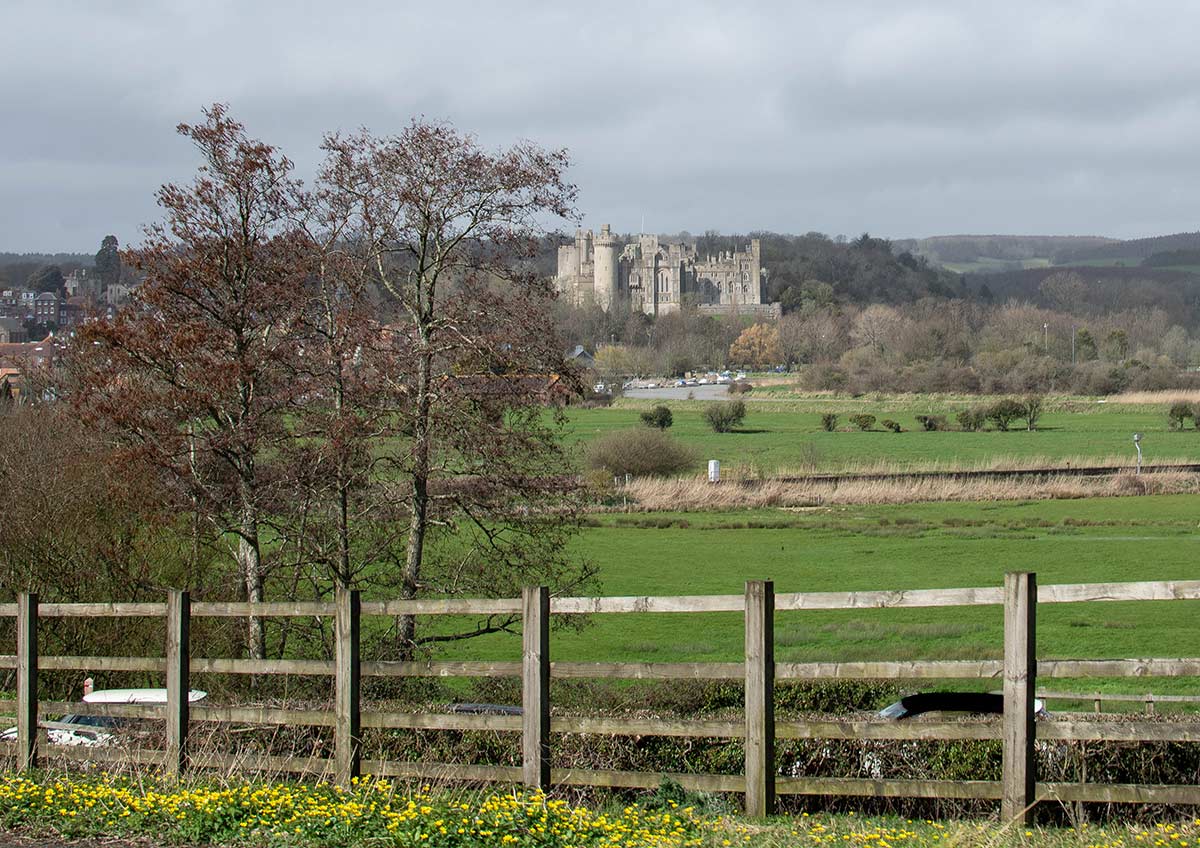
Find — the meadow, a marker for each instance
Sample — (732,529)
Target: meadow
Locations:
(784,434)
(891,547)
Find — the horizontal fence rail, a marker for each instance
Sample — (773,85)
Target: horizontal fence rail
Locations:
(1017,673)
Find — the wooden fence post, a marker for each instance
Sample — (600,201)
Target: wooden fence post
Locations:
(179,620)
(1020,680)
(347,729)
(760,698)
(535,687)
(27,681)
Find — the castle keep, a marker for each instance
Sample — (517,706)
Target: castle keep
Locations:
(657,278)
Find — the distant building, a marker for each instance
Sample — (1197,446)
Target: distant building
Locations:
(579,356)
(80,283)
(12,331)
(116,294)
(658,278)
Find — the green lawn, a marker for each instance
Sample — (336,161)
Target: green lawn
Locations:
(891,547)
(787,435)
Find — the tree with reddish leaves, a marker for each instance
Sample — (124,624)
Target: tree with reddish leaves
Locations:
(444,230)
(197,373)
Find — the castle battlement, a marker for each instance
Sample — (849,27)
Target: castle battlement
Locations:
(656,277)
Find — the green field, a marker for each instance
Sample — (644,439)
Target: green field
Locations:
(892,547)
(787,434)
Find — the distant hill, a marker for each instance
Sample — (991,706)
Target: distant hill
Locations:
(1133,249)
(996,249)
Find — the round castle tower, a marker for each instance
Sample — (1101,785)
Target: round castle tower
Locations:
(606,251)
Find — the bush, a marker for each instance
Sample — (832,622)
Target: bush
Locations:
(1179,413)
(971,419)
(1033,410)
(641,452)
(889,424)
(659,417)
(863,422)
(1004,412)
(740,387)
(829,422)
(932,422)
(723,417)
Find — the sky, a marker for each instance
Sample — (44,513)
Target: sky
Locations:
(902,119)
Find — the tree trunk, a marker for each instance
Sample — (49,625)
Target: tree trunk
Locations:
(250,562)
(411,577)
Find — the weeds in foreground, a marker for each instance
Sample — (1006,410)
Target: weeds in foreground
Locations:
(370,812)
(379,813)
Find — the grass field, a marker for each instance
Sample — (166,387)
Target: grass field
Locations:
(786,435)
(912,546)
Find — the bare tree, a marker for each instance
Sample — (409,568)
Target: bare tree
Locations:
(196,374)
(442,228)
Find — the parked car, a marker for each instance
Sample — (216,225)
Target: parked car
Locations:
(951,702)
(94,731)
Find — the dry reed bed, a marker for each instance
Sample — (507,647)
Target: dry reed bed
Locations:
(997,463)
(674,495)
(1166,396)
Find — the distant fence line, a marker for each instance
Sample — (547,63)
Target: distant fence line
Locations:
(1019,671)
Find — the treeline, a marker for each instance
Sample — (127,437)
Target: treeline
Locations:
(1130,249)
(931,345)
(1089,291)
(31,270)
(972,248)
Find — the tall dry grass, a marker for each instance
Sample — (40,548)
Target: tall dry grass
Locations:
(1166,396)
(695,494)
(998,463)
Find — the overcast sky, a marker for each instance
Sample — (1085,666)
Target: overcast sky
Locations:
(902,119)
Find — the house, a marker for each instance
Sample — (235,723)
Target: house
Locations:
(27,354)
(580,357)
(12,386)
(46,308)
(12,331)
(500,390)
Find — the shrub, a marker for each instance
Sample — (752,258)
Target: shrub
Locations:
(640,451)
(1179,413)
(1033,410)
(971,419)
(1004,412)
(829,422)
(723,417)
(659,417)
(932,422)
(889,424)
(862,421)
(740,387)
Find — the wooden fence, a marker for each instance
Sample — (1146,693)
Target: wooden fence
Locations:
(1019,672)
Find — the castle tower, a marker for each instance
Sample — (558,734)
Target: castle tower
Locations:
(606,248)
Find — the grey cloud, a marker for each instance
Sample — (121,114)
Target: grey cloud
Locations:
(901,119)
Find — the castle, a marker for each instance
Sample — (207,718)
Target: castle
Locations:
(658,278)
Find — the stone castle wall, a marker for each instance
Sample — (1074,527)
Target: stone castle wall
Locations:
(657,277)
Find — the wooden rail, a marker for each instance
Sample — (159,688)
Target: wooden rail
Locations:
(1017,672)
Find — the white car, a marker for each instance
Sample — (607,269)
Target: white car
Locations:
(93,731)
